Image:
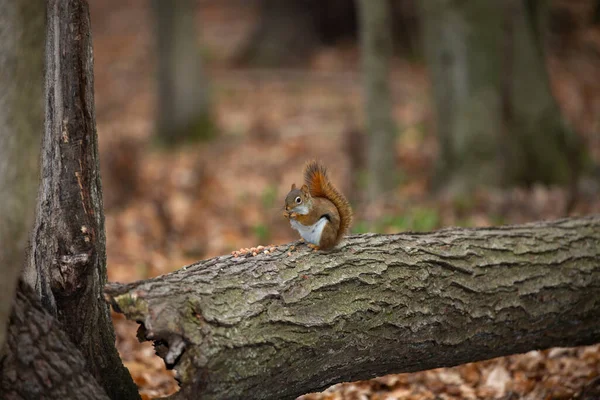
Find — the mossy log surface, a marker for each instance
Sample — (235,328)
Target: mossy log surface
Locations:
(275,326)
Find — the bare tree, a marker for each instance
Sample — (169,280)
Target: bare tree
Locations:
(37,359)
(376,53)
(21,125)
(183,106)
(287,32)
(497,121)
(67,260)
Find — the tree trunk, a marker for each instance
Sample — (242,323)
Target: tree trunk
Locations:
(376,54)
(288,32)
(41,362)
(463,49)
(285,35)
(67,262)
(183,100)
(276,326)
(497,121)
(543,148)
(21,124)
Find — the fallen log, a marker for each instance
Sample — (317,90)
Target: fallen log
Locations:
(277,325)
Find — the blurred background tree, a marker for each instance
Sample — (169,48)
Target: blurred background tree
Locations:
(376,52)
(288,32)
(285,34)
(183,108)
(21,127)
(497,120)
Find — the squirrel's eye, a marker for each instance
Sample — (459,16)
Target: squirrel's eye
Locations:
(298,200)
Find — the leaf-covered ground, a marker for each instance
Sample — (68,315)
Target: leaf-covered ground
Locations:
(168,208)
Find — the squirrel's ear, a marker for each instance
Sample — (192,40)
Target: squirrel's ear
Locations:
(293,186)
(304,188)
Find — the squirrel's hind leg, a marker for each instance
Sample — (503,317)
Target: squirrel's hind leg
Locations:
(328,237)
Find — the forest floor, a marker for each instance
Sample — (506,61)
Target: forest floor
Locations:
(168,208)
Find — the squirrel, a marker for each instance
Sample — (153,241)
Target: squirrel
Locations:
(318,211)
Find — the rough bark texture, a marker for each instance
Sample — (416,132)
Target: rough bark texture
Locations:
(277,326)
(376,53)
(21,125)
(67,263)
(41,362)
(183,99)
(497,121)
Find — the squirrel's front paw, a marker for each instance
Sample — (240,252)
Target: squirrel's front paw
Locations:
(290,215)
(314,247)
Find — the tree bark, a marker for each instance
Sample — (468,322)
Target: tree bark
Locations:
(67,262)
(497,121)
(41,361)
(376,53)
(21,124)
(276,326)
(183,107)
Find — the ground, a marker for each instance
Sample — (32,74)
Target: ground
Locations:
(168,208)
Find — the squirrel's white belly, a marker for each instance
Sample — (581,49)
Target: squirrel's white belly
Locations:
(310,233)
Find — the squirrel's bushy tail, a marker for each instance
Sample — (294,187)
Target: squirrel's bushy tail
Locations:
(315,177)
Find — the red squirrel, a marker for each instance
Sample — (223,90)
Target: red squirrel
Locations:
(318,211)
